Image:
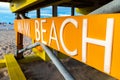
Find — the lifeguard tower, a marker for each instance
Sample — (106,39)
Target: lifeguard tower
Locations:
(92,38)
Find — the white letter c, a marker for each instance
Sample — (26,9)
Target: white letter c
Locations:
(68,20)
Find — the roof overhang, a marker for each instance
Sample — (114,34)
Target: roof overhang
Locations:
(27,5)
(5,0)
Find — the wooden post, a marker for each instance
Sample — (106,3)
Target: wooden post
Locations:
(54,11)
(72,11)
(19,42)
(38,13)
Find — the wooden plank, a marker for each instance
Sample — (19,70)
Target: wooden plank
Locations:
(2,63)
(14,70)
(17,5)
(19,44)
(92,39)
(20,5)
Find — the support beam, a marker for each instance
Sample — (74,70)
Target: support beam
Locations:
(54,11)
(38,13)
(72,11)
(58,63)
(111,7)
(53,57)
(19,44)
(23,16)
(19,38)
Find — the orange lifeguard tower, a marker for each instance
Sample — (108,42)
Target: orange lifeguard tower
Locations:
(92,39)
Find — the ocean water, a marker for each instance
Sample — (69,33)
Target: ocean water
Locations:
(6,27)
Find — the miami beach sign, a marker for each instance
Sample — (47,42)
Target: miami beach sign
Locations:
(92,39)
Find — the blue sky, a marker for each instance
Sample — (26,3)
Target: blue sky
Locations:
(7,16)
(5,13)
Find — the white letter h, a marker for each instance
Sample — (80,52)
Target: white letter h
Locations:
(107,43)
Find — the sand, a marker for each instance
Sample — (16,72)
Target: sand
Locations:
(40,70)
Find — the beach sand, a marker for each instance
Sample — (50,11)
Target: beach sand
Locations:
(40,70)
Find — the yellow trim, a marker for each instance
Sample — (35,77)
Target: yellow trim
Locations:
(16,5)
(41,54)
(2,63)
(30,58)
(14,70)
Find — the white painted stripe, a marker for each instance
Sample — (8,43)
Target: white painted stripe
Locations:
(108,47)
(96,41)
(84,36)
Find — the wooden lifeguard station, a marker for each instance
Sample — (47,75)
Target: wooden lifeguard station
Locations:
(92,39)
